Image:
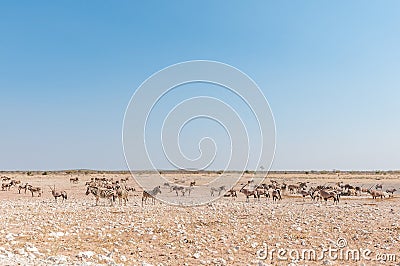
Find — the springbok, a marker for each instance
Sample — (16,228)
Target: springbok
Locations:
(57,194)
(150,194)
(378,186)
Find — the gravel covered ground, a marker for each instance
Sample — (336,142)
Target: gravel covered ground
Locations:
(38,231)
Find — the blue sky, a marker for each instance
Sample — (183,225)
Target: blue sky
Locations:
(330,71)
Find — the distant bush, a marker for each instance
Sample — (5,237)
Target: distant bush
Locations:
(44,173)
(29,173)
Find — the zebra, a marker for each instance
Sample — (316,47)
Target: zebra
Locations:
(21,187)
(74,180)
(150,194)
(37,190)
(103,193)
(122,194)
(218,189)
(178,188)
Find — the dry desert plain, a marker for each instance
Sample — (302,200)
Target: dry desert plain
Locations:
(230,231)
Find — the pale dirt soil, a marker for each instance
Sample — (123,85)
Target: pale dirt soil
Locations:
(38,231)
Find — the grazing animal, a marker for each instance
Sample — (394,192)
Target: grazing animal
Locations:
(218,189)
(305,193)
(276,195)
(378,186)
(249,192)
(391,191)
(293,188)
(122,194)
(128,188)
(262,190)
(376,193)
(57,194)
(150,194)
(177,189)
(7,186)
(329,194)
(5,178)
(231,193)
(37,190)
(74,180)
(22,187)
(103,193)
(188,190)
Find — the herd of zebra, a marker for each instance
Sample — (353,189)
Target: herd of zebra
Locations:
(107,188)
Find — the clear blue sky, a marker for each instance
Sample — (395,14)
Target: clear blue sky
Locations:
(330,70)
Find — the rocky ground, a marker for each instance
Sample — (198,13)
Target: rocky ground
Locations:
(38,231)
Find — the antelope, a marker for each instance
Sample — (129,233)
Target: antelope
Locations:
(329,194)
(20,187)
(263,190)
(37,190)
(74,180)
(57,194)
(218,189)
(103,193)
(305,193)
(376,193)
(391,191)
(377,186)
(276,194)
(248,193)
(150,194)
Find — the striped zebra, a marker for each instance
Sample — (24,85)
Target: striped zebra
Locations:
(218,190)
(103,193)
(122,194)
(150,194)
(37,190)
